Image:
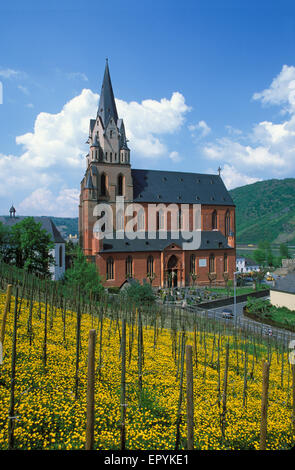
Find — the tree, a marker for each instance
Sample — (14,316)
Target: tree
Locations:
(4,242)
(194,278)
(151,277)
(284,252)
(263,255)
(211,277)
(258,276)
(29,247)
(70,254)
(84,274)
(228,283)
(260,257)
(137,293)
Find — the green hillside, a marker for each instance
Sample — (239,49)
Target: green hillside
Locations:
(66,225)
(265,211)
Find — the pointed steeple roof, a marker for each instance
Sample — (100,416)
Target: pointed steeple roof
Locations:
(89,183)
(107,106)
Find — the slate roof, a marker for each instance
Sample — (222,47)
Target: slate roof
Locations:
(210,240)
(107,106)
(250,262)
(89,183)
(46,223)
(285,284)
(177,187)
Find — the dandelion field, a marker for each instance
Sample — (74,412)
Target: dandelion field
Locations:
(50,385)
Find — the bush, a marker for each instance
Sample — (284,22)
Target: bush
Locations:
(113,290)
(137,293)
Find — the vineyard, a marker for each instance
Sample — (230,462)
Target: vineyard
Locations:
(107,375)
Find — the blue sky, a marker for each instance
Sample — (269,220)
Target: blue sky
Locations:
(198,83)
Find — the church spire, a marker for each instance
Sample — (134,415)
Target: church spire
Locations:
(107,106)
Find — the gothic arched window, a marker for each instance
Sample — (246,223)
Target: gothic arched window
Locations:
(129,266)
(110,268)
(120,187)
(150,265)
(214,220)
(211,263)
(103,185)
(225,263)
(60,256)
(227,223)
(193,264)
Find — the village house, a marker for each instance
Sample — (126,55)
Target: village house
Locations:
(282,294)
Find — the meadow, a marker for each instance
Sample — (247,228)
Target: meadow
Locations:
(49,373)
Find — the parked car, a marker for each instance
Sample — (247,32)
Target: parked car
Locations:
(227,313)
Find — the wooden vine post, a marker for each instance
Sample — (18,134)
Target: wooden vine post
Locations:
(6,310)
(224,394)
(189,397)
(264,402)
(44,353)
(178,418)
(11,417)
(78,341)
(123,384)
(90,391)
(293,397)
(140,360)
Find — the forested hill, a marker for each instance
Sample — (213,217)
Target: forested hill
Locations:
(265,211)
(66,225)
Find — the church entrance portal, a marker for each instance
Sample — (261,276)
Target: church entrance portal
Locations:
(172,271)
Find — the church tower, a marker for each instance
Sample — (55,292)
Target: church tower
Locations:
(108,170)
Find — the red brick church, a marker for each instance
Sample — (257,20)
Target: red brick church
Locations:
(129,197)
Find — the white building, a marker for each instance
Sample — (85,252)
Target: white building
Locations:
(246,265)
(282,294)
(59,250)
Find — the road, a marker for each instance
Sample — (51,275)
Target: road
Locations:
(252,325)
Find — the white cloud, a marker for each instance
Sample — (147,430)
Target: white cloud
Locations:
(44,201)
(232,130)
(175,157)
(281,90)
(53,154)
(23,89)
(233,178)
(58,139)
(77,76)
(146,120)
(244,156)
(269,149)
(201,128)
(10,73)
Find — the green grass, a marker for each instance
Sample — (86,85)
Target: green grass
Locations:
(239,290)
(263,311)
